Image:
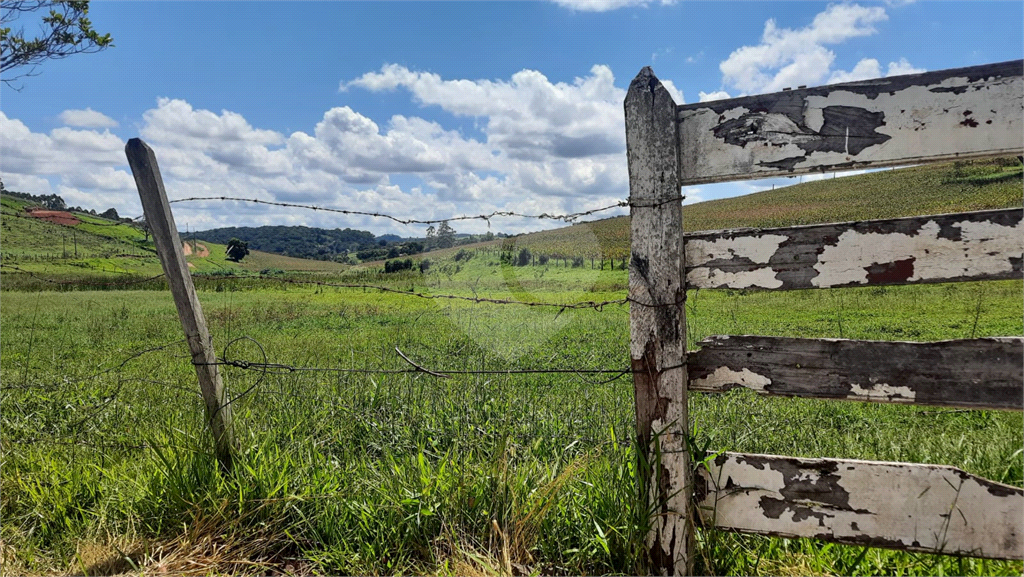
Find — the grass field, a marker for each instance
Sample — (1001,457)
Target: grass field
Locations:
(347,468)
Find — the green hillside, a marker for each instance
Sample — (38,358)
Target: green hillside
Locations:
(98,246)
(99,249)
(929,189)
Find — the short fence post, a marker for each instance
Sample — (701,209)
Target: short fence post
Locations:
(657,318)
(172,258)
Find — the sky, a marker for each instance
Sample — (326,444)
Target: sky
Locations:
(432,110)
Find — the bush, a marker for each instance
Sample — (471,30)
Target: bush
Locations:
(397,265)
(371,254)
(463,254)
(425,265)
(543,259)
(577,261)
(524,257)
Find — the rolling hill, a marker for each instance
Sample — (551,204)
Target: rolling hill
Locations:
(66,245)
(920,190)
(98,246)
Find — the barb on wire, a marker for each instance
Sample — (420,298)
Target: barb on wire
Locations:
(418,367)
(487,217)
(258,366)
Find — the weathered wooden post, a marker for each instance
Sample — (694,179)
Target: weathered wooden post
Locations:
(168,245)
(657,319)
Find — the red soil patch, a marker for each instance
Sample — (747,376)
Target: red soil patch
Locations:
(201,249)
(55,216)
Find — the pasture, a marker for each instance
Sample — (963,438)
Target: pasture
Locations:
(107,465)
(519,460)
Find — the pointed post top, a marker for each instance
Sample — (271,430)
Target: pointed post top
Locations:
(135,147)
(645,82)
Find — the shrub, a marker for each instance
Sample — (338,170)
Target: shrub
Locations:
(397,265)
(524,257)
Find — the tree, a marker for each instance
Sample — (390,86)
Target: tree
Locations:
(445,235)
(64,30)
(237,249)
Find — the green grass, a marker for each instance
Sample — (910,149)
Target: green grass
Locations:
(385,473)
(106,464)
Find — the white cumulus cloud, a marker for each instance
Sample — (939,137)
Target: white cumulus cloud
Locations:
(87,118)
(527,116)
(717,95)
(868,68)
(554,147)
(791,57)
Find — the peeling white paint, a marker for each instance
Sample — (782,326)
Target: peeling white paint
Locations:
(985,248)
(814,118)
(914,507)
(724,376)
(713,277)
(883,391)
(923,124)
(759,249)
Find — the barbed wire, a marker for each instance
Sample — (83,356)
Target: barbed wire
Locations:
(591,304)
(82,282)
(570,217)
(283,368)
(486,217)
(78,436)
(596,305)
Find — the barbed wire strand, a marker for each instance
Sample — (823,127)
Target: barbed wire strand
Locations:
(81,283)
(596,305)
(485,217)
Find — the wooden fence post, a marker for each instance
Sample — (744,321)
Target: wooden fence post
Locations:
(168,245)
(657,318)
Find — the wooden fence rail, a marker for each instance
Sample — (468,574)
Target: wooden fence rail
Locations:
(984,245)
(972,373)
(950,114)
(943,115)
(926,508)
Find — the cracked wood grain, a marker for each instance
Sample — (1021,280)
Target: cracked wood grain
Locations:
(658,333)
(911,507)
(983,245)
(947,114)
(144,167)
(985,373)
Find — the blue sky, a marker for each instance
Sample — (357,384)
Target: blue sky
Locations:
(428,110)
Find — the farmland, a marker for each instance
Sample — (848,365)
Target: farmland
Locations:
(353,462)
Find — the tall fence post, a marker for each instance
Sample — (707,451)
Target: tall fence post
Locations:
(168,245)
(657,320)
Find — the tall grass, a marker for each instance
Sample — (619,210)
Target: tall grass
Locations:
(107,466)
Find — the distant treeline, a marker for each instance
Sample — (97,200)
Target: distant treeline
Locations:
(340,245)
(296,241)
